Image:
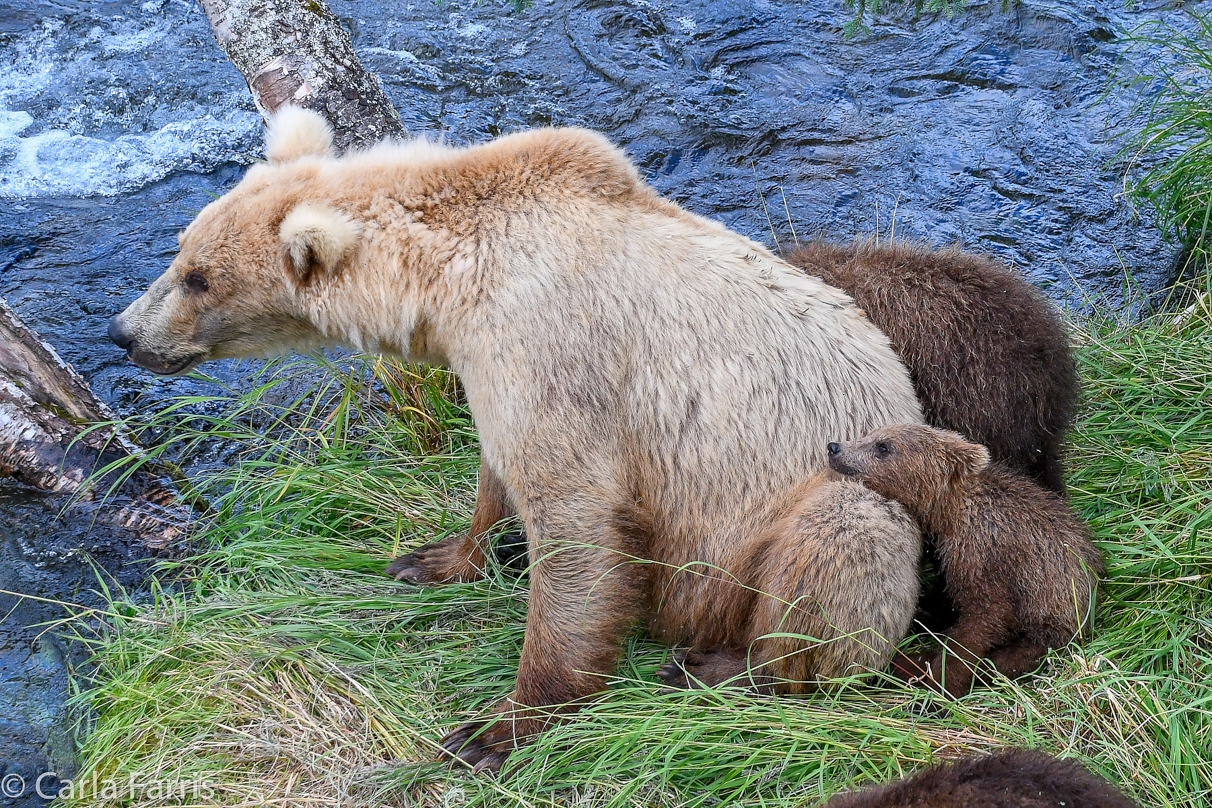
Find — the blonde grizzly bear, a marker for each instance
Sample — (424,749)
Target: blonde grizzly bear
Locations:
(1019,566)
(650,389)
(1015,778)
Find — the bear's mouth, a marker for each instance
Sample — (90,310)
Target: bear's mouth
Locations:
(164,367)
(842,467)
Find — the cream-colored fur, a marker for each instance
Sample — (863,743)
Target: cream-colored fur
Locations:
(295,132)
(317,235)
(646,383)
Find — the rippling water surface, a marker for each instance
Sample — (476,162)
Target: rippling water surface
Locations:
(119,120)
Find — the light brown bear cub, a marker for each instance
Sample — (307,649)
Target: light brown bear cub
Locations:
(650,388)
(1019,566)
(840,567)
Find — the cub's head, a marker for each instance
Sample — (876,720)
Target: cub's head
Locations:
(914,464)
(236,287)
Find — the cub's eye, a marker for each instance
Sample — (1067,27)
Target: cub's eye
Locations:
(882,449)
(196,282)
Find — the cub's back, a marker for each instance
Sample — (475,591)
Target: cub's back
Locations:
(989,355)
(1030,539)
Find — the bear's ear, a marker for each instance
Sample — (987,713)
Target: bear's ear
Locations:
(295,132)
(968,459)
(317,239)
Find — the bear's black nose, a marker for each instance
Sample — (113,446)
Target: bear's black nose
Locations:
(120,337)
(834,448)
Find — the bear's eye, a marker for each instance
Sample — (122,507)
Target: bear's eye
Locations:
(882,449)
(196,282)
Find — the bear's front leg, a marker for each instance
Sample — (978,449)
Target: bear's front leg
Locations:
(955,667)
(583,598)
(459,559)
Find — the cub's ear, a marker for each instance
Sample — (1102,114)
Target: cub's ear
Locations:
(317,239)
(969,459)
(295,132)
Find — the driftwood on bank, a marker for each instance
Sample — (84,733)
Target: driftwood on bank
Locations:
(289,51)
(295,51)
(49,441)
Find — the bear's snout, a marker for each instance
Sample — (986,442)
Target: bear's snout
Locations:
(136,349)
(838,463)
(119,336)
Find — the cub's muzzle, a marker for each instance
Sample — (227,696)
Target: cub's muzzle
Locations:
(837,463)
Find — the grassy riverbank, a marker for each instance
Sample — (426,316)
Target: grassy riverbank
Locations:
(284,669)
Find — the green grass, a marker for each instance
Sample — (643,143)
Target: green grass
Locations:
(1173,121)
(279,667)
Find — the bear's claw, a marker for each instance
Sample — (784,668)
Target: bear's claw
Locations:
(910,667)
(445,562)
(468,744)
(673,675)
(485,744)
(404,568)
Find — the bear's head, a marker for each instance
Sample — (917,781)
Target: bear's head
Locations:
(919,466)
(237,287)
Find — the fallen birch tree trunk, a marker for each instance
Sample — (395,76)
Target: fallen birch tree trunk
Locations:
(50,441)
(295,51)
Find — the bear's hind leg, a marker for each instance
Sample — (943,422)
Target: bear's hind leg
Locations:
(458,559)
(967,644)
(695,668)
(1018,658)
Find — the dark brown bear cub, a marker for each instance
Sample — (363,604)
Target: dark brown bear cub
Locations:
(1019,566)
(988,354)
(1013,779)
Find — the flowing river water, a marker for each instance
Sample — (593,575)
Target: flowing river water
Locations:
(120,119)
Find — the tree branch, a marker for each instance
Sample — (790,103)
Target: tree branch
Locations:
(288,51)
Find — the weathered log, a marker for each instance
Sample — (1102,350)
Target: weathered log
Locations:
(49,440)
(288,51)
(296,51)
